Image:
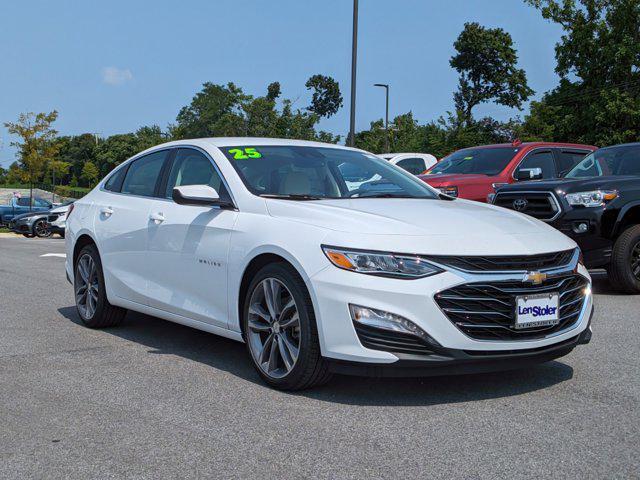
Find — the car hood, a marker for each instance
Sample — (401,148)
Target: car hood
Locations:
(573,185)
(427,226)
(453,179)
(30,214)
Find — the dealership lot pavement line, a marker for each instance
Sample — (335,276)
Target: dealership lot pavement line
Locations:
(60,255)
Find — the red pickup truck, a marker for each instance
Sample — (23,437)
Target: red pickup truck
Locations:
(476,172)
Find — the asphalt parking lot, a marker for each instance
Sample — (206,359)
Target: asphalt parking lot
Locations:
(152,399)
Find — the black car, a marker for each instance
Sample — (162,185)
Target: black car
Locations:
(32,224)
(597,204)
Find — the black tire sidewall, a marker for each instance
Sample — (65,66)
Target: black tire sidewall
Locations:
(35,230)
(102,296)
(291,279)
(623,276)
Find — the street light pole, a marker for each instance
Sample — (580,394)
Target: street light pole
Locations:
(386,115)
(351,140)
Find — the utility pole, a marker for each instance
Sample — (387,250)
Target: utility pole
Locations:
(351,141)
(386,116)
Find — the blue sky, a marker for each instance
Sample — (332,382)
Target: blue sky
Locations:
(110,67)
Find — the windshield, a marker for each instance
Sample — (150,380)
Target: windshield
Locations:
(624,160)
(313,173)
(483,161)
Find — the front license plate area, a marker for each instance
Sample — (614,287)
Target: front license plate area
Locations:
(537,310)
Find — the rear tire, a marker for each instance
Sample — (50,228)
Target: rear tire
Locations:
(94,309)
(624,271)
(280,366)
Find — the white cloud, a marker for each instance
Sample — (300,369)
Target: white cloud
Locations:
(116,76)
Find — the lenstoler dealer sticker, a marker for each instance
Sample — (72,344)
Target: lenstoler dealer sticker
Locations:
(537,310)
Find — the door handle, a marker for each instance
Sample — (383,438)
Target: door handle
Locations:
(157,218)
(106,211)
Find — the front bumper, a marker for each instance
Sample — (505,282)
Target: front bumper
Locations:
(595,244)
(21,227)
(450,361)
(334,289)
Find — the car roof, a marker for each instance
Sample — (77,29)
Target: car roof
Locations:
(533,144)
(243,141)
(630,144)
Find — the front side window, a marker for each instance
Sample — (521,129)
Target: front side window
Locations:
(143,173)
(38,202)
(320,172)
(541,160)
(567,159)
(191,167)
(482,161)
(623,160)
(412,165)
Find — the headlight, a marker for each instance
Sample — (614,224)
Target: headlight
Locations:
(595,198)
(451,191)
(380,263)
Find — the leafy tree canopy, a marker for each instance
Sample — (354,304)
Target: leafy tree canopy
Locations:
(327,99)
(487,63)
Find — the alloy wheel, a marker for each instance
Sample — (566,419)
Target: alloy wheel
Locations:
(273,328)
(87,286)
(635,260)
(41,229)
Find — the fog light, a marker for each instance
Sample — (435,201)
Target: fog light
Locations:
(388,321)
(581,227)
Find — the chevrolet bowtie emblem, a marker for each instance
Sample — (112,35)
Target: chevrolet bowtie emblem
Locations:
(534,277)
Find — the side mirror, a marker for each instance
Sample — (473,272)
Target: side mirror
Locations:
(529,174)
(198,195)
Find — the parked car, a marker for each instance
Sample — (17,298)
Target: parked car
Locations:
(40,224)
(474,173)
(597,204)
(20,205)
(263,241)
(57,219)
(415,163)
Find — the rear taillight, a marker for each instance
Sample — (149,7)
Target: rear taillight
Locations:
(70,210)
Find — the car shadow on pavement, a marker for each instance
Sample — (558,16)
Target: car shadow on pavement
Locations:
(167,338)
(601,284)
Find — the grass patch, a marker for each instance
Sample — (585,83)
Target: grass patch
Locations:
(4,230)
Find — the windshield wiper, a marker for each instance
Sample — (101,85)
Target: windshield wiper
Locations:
(387,195)
(292,196)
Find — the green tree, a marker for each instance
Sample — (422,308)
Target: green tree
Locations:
(90,173)
(326,99)
(36,147)
(487,63)
(3,175)
(598,59)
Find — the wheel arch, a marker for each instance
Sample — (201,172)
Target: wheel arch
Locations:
(629,215)
(257,261)
(82,241)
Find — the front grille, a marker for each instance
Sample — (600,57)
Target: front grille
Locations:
(388,341)
(486,310)
(506,263)
(542,205)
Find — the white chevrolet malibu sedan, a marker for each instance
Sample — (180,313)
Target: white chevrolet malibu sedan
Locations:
(264,241)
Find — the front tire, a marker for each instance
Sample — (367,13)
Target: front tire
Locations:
(41,230)
(91,298)
(624,272)
(280,330)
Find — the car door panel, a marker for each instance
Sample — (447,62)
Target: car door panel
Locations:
(187,260)
(188,245)
(121,225)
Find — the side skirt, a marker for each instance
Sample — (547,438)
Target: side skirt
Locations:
(171,317)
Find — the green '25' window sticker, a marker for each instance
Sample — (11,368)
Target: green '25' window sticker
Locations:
(244,153)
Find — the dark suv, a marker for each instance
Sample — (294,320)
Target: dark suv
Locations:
(597,204)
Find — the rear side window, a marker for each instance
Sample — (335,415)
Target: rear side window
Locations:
(412,165)
(543,160)
(567,159)
(143,173)
(23,202)
(114,183)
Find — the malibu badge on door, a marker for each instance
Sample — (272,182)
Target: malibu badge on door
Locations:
(537,310)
